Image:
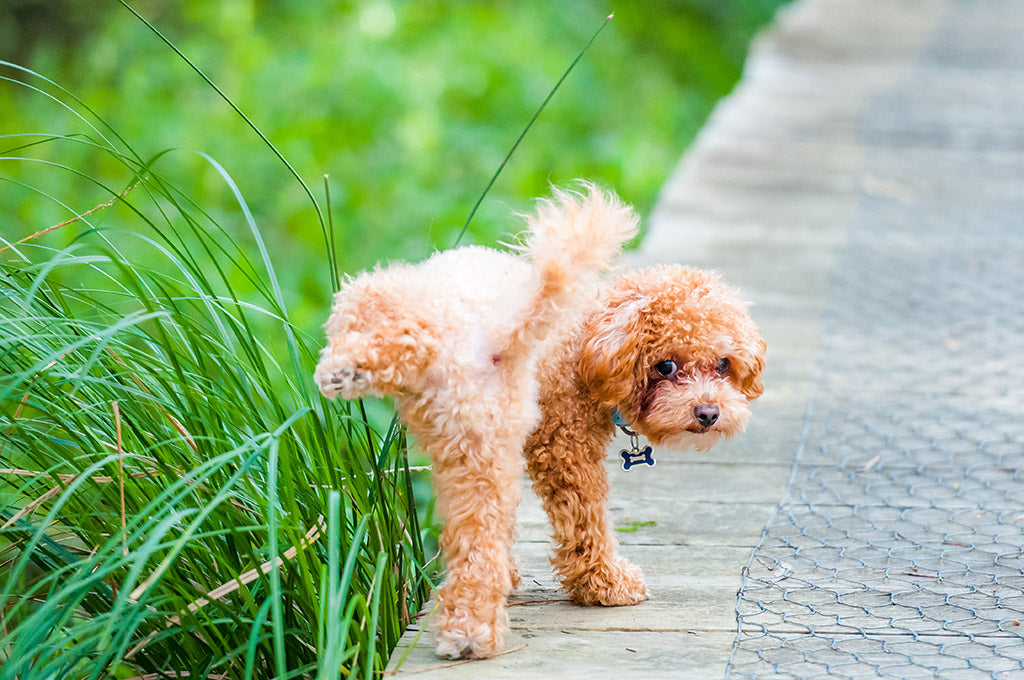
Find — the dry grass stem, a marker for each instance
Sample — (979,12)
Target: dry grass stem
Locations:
(32,506)
(120,474)
(225,589)
(74,219)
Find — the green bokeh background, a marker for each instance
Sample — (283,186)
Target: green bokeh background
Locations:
(408,106)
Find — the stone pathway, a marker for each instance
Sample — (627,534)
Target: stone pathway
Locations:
(864,185)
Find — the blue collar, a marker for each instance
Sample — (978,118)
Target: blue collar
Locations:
(618,419)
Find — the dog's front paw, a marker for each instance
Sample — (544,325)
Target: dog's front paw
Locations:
(614,584)
(346,382)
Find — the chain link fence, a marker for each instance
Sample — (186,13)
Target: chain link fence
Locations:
(898,550)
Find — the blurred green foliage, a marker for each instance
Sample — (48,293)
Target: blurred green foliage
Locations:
(408,106)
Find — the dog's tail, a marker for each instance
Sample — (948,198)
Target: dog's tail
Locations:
(572,237)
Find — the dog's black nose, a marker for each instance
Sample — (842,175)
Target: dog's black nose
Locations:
(706,415)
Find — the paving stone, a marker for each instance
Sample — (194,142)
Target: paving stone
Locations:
(661,522)
(666,567)
(570,654)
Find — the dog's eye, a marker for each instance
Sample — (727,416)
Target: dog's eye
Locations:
(666,368)
(722,366)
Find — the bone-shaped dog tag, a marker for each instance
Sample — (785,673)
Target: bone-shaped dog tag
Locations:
(637,457)
(634,455)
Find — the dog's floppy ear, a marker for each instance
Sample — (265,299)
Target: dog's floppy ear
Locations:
(612,340)
(752,357)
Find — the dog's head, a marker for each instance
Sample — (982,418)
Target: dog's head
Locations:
(677,353)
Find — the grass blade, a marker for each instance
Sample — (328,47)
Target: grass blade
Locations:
(522,135)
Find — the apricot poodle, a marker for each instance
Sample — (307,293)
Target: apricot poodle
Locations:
(490,355)
(455,340)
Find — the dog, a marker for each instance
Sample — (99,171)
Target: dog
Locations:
(675,352)
(455,340)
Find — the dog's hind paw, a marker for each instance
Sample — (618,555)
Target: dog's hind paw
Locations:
(459,645)
(348,382)
(454,649)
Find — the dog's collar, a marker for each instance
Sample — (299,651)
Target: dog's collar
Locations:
(634,455)
(620,420)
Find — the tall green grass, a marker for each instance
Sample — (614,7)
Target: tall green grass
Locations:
(176,498)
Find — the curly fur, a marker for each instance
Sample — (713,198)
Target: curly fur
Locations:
(455,340)
(491,354)
(607,359)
